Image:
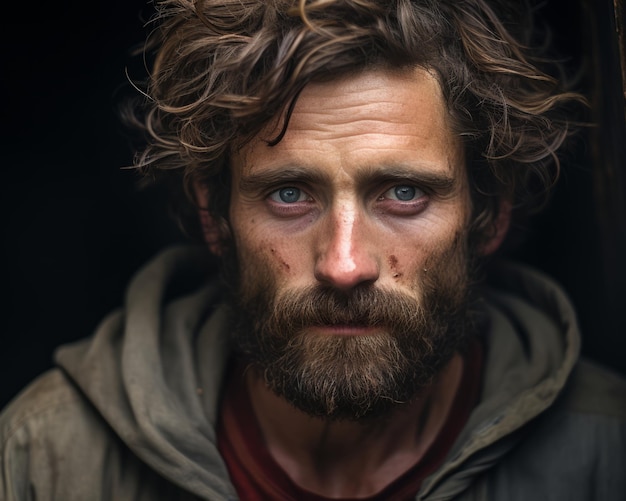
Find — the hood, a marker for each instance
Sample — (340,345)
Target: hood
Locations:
(142,372)
(532,345)
(154,368)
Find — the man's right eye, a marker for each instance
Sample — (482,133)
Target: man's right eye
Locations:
(288,195)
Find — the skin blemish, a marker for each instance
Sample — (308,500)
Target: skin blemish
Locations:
(280,259)
(393,264)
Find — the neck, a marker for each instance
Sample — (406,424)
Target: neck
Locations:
(352,459)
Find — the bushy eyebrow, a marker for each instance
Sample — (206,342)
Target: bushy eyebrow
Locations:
(422,176)
(276,176)
(441,182)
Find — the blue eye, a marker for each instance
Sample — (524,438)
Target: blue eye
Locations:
(288,195)
(404,193)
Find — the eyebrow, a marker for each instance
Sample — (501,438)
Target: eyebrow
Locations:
(276,176)
(423,175)
(437,181)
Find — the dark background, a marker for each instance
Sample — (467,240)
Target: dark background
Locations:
(75,227)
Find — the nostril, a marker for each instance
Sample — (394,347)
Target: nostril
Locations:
(347,272)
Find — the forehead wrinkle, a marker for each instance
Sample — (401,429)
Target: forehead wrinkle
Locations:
(366,96)
(356,128)
(320,122)
(328,106)
(336,125)
(373,119)
(359,110)
(376,132)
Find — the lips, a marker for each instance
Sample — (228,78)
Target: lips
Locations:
(345,329)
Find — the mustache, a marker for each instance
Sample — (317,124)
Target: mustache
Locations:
(364,306)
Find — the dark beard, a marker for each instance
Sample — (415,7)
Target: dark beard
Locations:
(354,377)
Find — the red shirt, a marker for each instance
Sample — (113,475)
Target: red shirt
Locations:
(257,477)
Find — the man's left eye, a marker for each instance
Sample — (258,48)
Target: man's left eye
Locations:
(403,193)
(288,195)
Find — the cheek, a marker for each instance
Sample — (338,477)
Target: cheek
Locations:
(409,264)
(259,244)
(394,268)
(264,255)
(279,260)
(450,257)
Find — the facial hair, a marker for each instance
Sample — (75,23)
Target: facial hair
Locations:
(354,377)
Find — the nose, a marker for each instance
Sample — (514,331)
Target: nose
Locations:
(344,258)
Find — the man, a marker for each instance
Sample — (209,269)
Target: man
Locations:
(355,165)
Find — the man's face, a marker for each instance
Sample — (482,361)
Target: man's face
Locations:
(350,238)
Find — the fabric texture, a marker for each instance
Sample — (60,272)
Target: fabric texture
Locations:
(130,413)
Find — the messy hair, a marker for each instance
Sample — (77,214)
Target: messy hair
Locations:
(222,69)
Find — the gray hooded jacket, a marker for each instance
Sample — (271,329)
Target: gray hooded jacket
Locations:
(130,413)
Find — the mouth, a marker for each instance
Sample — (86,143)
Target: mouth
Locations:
(344,330)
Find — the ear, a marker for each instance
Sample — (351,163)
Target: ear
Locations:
(500,228)
(211,229)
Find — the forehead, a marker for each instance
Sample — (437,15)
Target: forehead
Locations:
(375,117)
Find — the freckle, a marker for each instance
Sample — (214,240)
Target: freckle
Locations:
(393,261)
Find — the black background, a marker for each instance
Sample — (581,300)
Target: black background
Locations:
(74,225)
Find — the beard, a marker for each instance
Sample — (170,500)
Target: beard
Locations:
(360,377)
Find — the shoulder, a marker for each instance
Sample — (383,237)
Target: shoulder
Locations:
(576,449)
(44,404)
(589,417)
(55,445)
(594,389)
(50,435)
(46,420)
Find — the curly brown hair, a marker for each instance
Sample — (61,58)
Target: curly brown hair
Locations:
(222,69)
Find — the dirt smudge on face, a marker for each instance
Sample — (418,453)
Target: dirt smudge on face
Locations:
(393,265)
(280,259)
